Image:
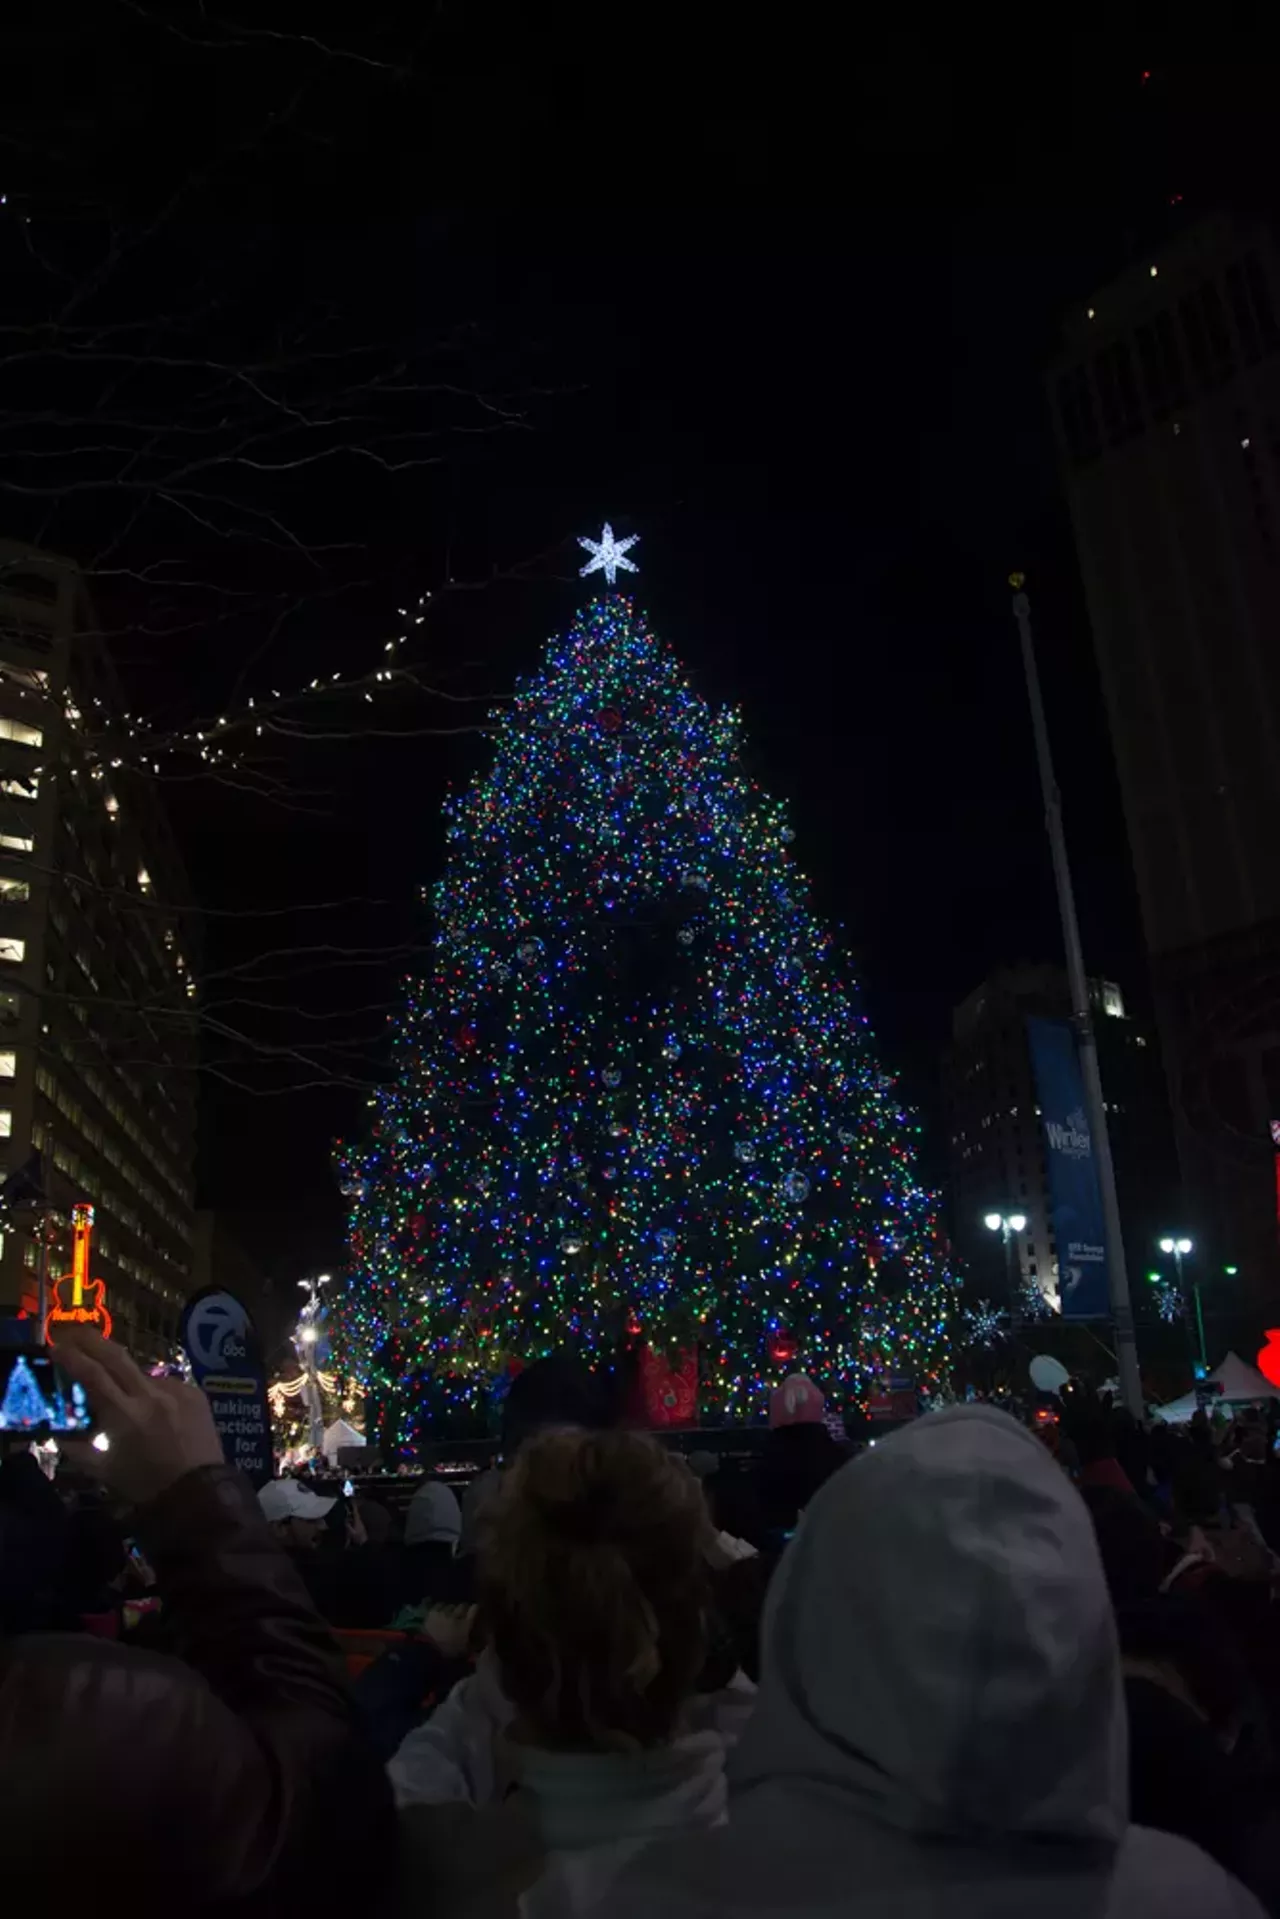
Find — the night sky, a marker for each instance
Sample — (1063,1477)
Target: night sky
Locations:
(781,311)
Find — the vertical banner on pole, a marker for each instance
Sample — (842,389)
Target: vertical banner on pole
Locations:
(1074,1193)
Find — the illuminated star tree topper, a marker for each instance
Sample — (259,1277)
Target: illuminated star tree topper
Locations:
(608,554)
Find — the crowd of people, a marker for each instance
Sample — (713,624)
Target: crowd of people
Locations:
(973,1667)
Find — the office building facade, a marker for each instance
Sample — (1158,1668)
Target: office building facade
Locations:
(1166,400)
(995,1141)
(98,946)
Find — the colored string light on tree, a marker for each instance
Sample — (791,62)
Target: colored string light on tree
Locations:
(635,1085)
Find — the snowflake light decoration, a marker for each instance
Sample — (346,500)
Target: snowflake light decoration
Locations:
(1168,1301)
(986,1323)
(1032,1303)
(608,554)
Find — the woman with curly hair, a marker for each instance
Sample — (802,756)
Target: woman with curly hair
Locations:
(586,1738)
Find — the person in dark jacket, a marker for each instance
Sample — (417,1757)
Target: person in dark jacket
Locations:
(222,1776)
(432,1526)
(552,1393)
(799,1457)
(1187,1696)
(36,1545)
(352,1582)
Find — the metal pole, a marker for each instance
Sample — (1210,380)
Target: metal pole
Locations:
(1006,1234)
(1195,1295)
(1082,1019)
(311,1390)
(1186,1319)
(42,1282)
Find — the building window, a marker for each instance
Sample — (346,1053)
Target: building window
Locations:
(6,1122)
(1118,392)
(1079,423)
(14,891)
(8,1064)
(1205,325)
(1161,365)
(11,949)
(1242,313)
(17,843)
(1249,298)
(18,730)
(32,677)
(1260,295)
(19,789)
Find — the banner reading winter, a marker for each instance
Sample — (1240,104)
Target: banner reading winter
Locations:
(1073,1174)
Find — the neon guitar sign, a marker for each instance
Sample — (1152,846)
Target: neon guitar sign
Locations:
(77,1299)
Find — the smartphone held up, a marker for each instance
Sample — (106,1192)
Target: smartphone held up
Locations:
(38,1399)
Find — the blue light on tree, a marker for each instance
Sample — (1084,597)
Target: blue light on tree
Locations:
(598,1131)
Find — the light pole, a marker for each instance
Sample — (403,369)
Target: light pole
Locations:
(1082,1022)
(305,1343)
(1180,1247)
(1006,1224)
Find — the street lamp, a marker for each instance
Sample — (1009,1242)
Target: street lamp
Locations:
(307,1335)
(1006,1224)
(1180,1247)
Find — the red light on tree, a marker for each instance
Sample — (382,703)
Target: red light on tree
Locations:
(782,1347)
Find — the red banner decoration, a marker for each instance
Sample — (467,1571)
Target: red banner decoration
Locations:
(669,1395)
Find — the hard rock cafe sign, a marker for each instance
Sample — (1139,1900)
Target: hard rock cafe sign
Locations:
(77,1299)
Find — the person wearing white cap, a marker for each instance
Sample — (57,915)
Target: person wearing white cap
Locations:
(350,1581)
(295,1514)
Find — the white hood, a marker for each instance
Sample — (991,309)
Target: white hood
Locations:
(938,1644)
(940,1725)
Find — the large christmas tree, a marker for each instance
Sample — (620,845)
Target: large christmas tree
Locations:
(635,1094)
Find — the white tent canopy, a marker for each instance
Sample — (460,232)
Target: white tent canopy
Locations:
(1242,1385)
(337,1436)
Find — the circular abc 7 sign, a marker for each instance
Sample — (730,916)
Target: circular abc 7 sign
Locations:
(218,1333)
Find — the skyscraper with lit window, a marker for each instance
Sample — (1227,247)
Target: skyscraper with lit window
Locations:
(995,1137)
(1166,399)
(98,949)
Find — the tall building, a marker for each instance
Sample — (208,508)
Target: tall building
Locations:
(994,1139)
(97,959)
(1167,404)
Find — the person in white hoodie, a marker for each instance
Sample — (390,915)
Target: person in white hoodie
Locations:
(939,1728)
(579,1740)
